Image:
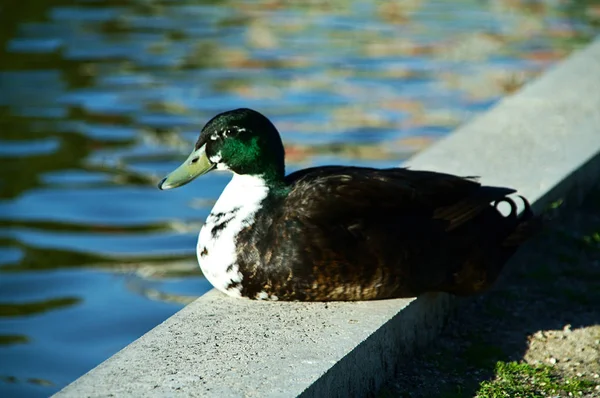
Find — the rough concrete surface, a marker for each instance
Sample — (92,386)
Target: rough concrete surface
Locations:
(543,141)
(221,346)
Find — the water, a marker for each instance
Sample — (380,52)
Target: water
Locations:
(99,99)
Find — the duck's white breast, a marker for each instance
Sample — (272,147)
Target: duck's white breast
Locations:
(234,211)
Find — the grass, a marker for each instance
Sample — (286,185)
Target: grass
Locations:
(514,379)
(592,241)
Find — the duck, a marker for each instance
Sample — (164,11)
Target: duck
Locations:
(342,233)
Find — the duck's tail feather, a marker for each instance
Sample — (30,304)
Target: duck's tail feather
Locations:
(521,226)
(469,208)
(487,258)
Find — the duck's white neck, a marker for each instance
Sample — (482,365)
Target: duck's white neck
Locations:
(235,210)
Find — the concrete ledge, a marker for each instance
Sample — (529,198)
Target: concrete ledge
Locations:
(545,141)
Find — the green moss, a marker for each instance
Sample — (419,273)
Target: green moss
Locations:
(591,241)
(515,379)
(556,204)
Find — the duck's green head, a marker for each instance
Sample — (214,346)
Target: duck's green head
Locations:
(242,141)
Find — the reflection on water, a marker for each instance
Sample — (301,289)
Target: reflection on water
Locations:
(38,307)
(100,97)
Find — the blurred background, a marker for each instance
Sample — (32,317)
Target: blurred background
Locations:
(100,98)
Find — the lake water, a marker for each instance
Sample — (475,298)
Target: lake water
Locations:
(99,99)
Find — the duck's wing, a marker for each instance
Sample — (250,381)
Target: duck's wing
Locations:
(341,195)
(361,233)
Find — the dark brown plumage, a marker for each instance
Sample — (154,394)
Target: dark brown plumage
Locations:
(347,233)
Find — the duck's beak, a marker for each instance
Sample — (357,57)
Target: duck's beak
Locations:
(194,166)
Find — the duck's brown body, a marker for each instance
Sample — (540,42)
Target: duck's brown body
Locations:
(346,233)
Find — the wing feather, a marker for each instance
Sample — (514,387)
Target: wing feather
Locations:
(337,193)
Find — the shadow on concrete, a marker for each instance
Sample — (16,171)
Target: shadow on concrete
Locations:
(552,283)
